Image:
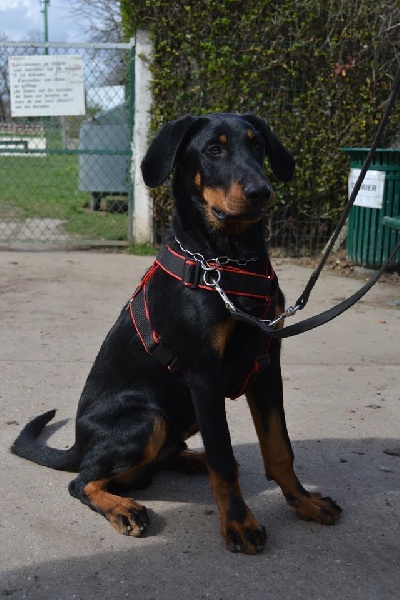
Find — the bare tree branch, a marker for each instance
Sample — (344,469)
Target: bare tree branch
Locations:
(103,18)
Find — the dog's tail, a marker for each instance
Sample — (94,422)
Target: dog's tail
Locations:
(27,446)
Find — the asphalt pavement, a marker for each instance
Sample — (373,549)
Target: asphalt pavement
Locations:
(342,394)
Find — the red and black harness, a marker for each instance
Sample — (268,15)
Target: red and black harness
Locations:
(236,281)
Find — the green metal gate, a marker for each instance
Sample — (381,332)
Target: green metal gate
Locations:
(68,179)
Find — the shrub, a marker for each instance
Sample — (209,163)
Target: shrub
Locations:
(318,72)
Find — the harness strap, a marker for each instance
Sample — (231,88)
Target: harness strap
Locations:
(141,321)
(234,280)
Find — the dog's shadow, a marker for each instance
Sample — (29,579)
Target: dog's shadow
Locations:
(52,429)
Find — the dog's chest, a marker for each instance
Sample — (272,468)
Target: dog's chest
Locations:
(243,355)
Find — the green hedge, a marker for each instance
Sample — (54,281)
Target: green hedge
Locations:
(318,72)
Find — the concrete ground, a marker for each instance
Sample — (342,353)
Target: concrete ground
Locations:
(342,386)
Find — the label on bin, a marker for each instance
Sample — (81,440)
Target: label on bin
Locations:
(371,191)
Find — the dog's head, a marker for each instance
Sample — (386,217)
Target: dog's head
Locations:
(219,164)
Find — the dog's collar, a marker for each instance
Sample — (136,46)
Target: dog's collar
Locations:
(219,261)
(196,272)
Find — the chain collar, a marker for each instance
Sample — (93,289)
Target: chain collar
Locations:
(217,262)
(212,276)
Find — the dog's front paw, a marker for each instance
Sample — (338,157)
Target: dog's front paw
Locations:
(249,537)
(314,507)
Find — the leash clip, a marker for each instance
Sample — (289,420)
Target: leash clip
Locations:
(228,304)
(291,310)
(211,278)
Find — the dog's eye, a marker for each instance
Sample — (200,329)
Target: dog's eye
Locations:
(257,145)
(214,150)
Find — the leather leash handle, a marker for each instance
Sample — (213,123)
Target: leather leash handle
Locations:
(303,299)
(317,320)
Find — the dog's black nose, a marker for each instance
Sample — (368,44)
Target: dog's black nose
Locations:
(258,192)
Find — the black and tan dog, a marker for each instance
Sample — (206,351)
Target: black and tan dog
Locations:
(175,352)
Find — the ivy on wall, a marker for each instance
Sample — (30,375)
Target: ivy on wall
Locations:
(318,72)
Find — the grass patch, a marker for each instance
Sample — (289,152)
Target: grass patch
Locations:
(98,225)
(142,249)
(46,186)
(41,186)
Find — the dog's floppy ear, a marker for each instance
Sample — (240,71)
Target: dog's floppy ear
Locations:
(160,156)
(282,163)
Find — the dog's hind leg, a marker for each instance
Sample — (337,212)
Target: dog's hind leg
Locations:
(188,462)
(124,514)
(92,485)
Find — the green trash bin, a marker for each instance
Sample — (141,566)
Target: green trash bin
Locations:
(369,243)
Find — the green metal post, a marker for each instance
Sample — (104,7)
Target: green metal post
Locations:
(44,11)
(131,128)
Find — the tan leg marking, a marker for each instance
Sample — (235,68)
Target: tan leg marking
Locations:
(239,528)
(278,464)
(125,515)
(188,462)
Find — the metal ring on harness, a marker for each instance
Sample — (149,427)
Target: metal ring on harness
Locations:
(211,277)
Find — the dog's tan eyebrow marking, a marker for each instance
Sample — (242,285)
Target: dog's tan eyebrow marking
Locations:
(197,179)
(222,138)
(250,134)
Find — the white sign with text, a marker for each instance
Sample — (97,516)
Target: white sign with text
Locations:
(46,86)
(372,188)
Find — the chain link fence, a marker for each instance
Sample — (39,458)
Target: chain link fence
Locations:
(67,178)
